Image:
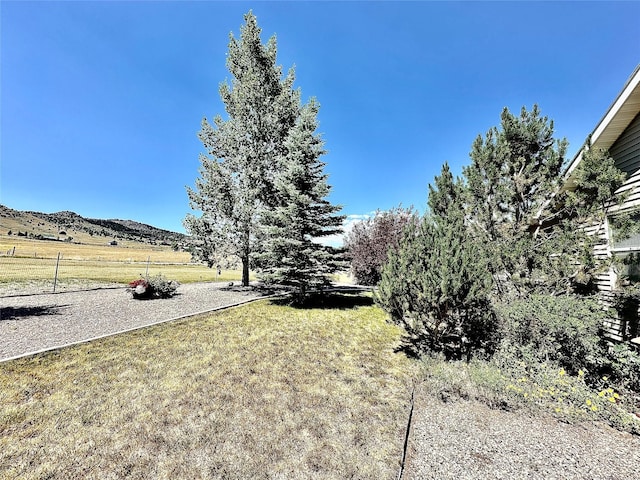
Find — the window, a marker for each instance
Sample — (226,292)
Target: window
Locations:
(628,266)
(629,242)
(626,246)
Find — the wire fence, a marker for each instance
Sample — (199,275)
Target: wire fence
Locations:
(25,275)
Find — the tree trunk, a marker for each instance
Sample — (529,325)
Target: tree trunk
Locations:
(245,271)
(245,258)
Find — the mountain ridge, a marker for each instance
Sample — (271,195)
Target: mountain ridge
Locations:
(70,225)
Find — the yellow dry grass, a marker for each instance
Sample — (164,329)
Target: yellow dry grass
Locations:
(20,270)
(35,261)
(33,225)
(261,391)
(123,252)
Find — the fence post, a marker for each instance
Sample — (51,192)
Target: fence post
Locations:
(148,260)
(55,278)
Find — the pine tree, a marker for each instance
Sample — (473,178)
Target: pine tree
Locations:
(515,170)
(243,151)
(436,283)
(301,215)
(532,229)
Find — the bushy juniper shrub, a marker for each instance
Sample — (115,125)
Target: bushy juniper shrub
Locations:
(153,287)
(163,288)
(561,330)
(437,284)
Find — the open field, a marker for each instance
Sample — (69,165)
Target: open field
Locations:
(123,252)
(35,269)
(32,263)
(262,391)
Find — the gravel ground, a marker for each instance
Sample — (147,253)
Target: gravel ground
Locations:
(467,440)
(36,322)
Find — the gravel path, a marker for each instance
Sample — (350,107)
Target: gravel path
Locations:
(467,441)
(36,322)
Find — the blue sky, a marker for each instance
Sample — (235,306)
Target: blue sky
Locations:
(101,102)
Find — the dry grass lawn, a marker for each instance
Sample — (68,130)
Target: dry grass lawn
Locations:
(261,391)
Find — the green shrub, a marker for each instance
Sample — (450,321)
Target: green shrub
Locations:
(622,365)
(436,284)
(562,330)
(544,387)
(153,287)
(536,387)
(627,304)
(163,288)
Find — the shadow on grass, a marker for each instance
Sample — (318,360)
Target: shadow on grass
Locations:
(409,349)
(19,313)
(329,301)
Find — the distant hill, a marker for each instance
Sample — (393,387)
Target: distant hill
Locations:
(69,226)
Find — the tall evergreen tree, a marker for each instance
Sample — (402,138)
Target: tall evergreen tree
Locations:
(515,170)
(243,151)
(301,215)
(532,229)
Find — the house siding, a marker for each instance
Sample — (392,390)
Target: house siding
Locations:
(618,132)
(626,150)
(626,153)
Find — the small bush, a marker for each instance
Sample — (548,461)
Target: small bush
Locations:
(153,287)
(536,387)
(569,397)
(622,365)
(562,330)
(436,286)
(163,288)
(627,304)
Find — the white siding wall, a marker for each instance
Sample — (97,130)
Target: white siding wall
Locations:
(626,153)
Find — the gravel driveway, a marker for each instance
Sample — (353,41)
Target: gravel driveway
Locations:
(466,440)
(36,322)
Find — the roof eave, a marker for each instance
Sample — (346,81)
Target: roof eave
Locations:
(617,118)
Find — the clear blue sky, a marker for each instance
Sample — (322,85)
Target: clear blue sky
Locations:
(101,101)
